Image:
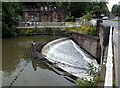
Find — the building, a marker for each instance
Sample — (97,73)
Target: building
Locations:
(41,15)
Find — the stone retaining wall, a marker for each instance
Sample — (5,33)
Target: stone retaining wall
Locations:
(91,44)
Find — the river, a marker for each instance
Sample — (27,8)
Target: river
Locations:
(15,56)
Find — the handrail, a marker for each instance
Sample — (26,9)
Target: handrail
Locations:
(109,64)
(47,24)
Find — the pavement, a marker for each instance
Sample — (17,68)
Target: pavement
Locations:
(116,41)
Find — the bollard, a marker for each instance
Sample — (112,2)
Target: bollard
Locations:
(98,26)
(33,54)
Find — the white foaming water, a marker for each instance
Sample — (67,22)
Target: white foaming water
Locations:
(69,56)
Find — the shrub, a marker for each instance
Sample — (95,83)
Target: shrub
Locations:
(48,30)
(83,83)
(25,32)
(87,16)
(8,31)
(69,18)
(93,72)
(88,30)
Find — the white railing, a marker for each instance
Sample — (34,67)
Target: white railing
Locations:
(48,24)
(28,24)
(109,64)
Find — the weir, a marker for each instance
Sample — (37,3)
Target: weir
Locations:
(67,55)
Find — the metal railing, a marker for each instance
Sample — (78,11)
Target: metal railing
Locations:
(48,24)
(109,64)
(27,24)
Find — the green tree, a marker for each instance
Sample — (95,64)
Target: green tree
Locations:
(118,10)
(100,8)
(96,10)
(103,8)
(77,9)
(87,16)
(10,13)
(114,9)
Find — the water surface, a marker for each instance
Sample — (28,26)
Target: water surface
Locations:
(15,52)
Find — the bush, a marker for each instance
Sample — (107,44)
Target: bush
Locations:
(8,31)
(69,18)
(25,32)
(87,16)
(10,13)
(88,30)
(84,82)
(48,30)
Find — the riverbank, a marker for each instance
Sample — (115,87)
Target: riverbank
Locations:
(39,31)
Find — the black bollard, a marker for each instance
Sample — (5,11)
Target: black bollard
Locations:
(98,26)
(33,54)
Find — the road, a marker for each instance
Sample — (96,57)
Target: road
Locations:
(111,23)
(116,41)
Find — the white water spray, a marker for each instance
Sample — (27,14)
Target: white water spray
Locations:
(66,54)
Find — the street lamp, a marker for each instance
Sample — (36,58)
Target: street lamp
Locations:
(45,8)
(49,7)
(54,8)
(50,10)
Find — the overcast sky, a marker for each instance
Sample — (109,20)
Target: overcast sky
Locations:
(111,3)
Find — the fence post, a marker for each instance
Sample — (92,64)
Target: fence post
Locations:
(33,53)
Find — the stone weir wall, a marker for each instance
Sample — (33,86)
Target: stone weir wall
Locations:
(91,44)
(94,45)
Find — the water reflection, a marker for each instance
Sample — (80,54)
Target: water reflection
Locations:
(16,54)
(16,49)
(36,63)
(13,53)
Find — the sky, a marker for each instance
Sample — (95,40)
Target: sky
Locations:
(111,3)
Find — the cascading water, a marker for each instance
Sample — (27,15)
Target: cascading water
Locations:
(66,54)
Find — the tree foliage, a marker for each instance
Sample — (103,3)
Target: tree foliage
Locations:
(118,10)
(78,9)
(87,16)
(11,12)
(93,73)
(114,10)
(10,17)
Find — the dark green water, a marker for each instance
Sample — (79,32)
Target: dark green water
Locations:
(15,54)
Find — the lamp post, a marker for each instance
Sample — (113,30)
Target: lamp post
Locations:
(55,14)
(54,8)
(50,10)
